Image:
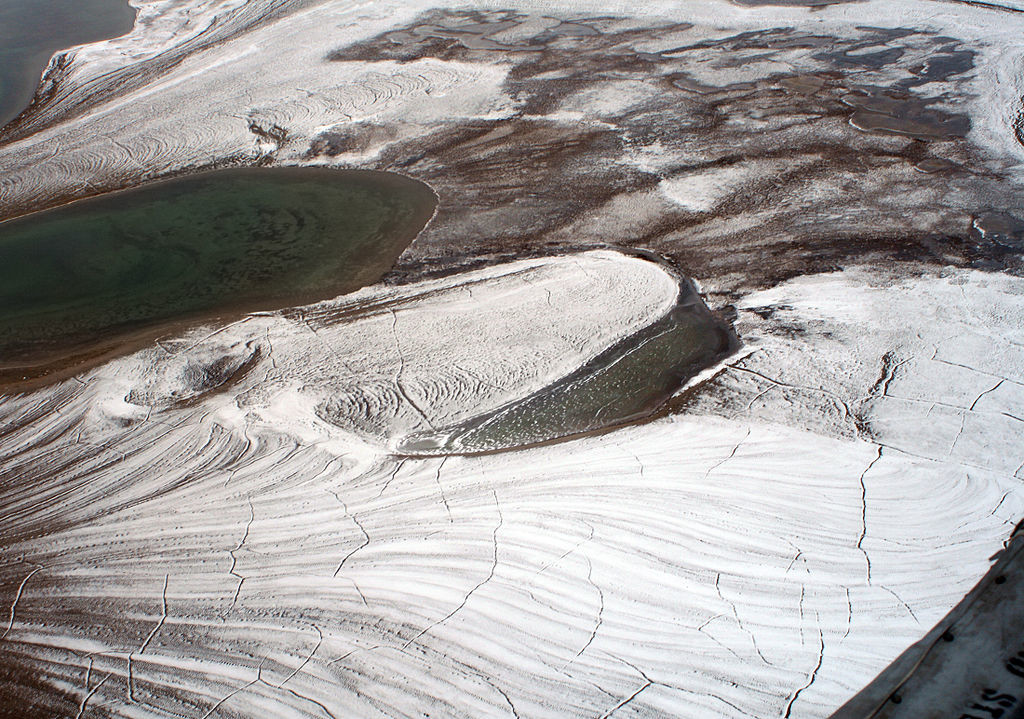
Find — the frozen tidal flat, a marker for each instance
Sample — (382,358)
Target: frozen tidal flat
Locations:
(225,523)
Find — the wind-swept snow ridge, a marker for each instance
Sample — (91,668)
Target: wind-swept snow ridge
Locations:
(383,362)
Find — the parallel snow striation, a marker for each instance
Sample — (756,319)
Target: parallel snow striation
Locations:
(232,553)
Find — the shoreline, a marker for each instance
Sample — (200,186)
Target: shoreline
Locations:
(50,365)
(765,543)
(41,59)
(726,345)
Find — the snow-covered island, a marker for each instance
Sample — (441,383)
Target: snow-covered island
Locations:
(242,518)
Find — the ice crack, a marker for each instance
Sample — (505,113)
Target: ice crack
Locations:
(485,580)
(401,370)
(988,391)
(440,487)
(847,413)
(900,600)
(811,678)
(648,682)
(85,701)
(363,545)
(600,610)
(234,557)
(149,638)
(17,598)
(394,473)
(739,622)
(732,454)
(864,513)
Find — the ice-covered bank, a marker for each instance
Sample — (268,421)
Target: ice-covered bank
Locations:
(221,525)
(254,550)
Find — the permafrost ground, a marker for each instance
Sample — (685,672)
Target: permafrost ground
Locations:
(218,525)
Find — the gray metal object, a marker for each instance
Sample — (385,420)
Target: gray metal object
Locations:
(970,666)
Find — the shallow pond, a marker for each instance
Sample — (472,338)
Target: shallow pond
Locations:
(196,247)
(626,382)
(31,31)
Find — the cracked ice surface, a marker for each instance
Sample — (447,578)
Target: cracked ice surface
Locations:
(216,527)
(235,554)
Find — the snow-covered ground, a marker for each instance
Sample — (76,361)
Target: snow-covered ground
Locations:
(185,87)
(218,525)
(235,554)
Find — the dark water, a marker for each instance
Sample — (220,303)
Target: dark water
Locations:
(626,382)
(31,31)
(199,246)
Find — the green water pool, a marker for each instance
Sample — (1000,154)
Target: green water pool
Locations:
(200,246)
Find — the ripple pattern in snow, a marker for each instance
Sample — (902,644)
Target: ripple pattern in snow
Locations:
(173,550)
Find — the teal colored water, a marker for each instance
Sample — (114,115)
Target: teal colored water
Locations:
(200,246)
(628,381)
(31,31)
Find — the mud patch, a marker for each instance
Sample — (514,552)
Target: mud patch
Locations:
(867,155)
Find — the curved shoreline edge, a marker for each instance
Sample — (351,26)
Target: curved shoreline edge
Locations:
(411,202)
(763,547)
(56,52)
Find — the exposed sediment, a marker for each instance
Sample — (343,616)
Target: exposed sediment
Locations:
(216,526)
(561,128)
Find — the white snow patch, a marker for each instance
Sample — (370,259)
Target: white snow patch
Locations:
(705,190)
